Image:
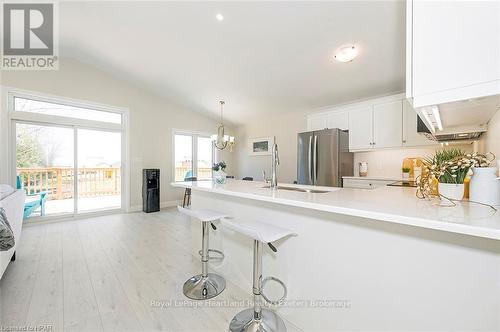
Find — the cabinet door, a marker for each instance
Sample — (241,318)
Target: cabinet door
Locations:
(410,135)
(455,50)
(388,125)
(316,122)
(338,120)
(361,128)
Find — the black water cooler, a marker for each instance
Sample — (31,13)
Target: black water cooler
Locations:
(150,190)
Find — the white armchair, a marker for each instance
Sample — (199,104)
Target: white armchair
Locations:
(13,205)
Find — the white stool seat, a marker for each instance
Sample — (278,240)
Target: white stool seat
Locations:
(202,215)
(257,230)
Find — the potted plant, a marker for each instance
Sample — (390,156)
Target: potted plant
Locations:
(450,168)
(484,182)
(406,173)
(219,174)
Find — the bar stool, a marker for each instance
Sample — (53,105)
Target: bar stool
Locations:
(257,318)
(187,193)
(205,285)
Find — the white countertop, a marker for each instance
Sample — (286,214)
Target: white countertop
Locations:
(390,204)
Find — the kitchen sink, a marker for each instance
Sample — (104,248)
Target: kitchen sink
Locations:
(303,190)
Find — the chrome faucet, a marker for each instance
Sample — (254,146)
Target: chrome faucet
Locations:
(275,160)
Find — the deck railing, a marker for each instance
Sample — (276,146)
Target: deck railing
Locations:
(58,182)
(203,173)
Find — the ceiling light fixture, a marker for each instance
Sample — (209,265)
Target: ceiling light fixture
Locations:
(221,140)
(346,54)
(219,17)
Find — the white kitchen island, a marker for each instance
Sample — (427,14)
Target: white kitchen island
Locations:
(364,260)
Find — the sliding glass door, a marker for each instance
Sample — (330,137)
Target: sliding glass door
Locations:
(68,159)
(45,168)
(99,170)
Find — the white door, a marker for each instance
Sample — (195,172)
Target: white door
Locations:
(410,135)
(338,120)
(388,125)
(361,128)
(316,122)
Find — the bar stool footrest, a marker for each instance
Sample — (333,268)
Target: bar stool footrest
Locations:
(282,284)
(220,253)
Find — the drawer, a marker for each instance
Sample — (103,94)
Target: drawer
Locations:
(364,183)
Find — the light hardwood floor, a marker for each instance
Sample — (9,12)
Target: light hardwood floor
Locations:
(111,273)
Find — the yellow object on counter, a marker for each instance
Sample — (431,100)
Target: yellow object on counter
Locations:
(466,187)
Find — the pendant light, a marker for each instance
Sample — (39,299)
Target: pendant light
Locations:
(221,140)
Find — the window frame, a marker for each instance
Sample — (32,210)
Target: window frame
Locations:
(12,117)
(194,150)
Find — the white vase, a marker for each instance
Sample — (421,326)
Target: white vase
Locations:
(484,186)
(452,191)
(219,177)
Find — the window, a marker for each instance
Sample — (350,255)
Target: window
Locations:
(193,156)
(50,108)
(67,164)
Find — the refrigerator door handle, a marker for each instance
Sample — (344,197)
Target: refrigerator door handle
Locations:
(309,161)
(315,159)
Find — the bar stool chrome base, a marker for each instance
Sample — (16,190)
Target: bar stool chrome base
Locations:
(204,288)
(244,322)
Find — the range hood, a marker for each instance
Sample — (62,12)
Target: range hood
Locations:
(458,121)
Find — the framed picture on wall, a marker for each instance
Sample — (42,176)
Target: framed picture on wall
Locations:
(260,146)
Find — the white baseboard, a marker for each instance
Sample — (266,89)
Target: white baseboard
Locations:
(163,205)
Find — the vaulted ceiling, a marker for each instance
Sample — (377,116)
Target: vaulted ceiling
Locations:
(264,57)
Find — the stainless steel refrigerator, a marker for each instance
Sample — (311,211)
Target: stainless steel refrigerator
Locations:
(323,157)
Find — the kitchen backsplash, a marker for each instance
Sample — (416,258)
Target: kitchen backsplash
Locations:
(387,163)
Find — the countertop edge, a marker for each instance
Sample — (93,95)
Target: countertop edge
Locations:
(387,217)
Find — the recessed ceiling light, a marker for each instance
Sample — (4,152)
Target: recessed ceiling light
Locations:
(219,17)
(346,54)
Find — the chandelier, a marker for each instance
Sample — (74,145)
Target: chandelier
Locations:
(221,140)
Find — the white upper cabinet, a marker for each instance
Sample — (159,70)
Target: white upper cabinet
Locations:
(410,135)
(387,124)
(361,128)
(316,121)
(453,50)
(338,120)
(333,119)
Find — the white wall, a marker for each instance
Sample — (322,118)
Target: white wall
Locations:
(285,128)
(151,118)
(388,163)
